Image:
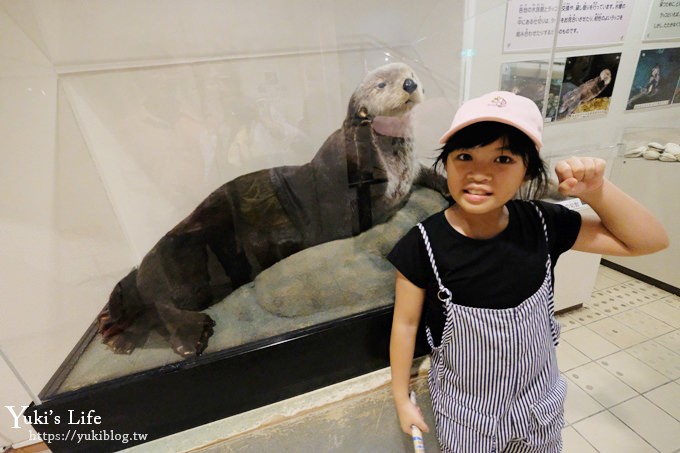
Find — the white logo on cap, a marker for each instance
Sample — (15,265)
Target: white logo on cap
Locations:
(499,101)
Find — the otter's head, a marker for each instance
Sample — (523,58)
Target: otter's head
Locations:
(606,76)
(390,90)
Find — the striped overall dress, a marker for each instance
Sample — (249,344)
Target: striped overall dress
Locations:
(494,381)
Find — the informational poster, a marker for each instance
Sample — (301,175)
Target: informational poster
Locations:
(656,78)
(528,79)
(531,25)
(587,85)
(664,20)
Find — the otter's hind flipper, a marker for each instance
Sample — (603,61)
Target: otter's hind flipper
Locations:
(134,336)
(125,322)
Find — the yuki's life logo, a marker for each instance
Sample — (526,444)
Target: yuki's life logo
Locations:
(47,417)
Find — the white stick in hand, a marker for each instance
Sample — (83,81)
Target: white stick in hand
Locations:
(416,434)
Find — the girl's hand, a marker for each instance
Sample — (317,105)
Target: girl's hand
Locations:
(410,414)
(579,176)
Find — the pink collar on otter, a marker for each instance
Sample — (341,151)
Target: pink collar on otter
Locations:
(503,107)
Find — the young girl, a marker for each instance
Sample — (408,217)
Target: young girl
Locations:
(478,275)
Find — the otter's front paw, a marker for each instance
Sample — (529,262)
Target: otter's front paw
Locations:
(191,338)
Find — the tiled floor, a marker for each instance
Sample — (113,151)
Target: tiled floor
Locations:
(620,354)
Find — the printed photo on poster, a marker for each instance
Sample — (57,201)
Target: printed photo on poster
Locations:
(528,78)
(587,85)
(676,96)
(656,78)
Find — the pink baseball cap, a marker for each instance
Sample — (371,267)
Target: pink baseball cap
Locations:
(503,107)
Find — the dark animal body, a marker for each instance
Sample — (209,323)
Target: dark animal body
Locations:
(359,177)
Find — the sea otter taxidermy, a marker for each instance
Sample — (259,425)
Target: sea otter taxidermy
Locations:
(360,177)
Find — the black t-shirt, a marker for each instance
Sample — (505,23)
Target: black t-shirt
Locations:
(495,273)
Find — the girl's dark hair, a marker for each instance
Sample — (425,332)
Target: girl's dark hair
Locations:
(486,132)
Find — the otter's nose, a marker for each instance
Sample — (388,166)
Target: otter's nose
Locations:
(410,86)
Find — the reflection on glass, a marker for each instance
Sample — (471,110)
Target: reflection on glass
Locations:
(271,251)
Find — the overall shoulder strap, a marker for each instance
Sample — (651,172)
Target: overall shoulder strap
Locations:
(548,263)
(554,324)
(444,294)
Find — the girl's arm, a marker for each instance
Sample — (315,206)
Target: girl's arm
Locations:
(408,305)
(622,227)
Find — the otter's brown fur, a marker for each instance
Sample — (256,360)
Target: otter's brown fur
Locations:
(360,177)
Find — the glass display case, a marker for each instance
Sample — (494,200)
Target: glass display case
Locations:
(198,208)
(198,198)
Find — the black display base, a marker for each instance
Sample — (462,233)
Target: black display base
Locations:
(173,398)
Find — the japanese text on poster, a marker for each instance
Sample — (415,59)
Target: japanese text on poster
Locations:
(664,20)
(530,25)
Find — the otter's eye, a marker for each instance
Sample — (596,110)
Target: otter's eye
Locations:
(382,85)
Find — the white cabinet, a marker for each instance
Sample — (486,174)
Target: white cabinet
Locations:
(575,275)
(656,185)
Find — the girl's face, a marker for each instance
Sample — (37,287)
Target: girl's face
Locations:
(484,178)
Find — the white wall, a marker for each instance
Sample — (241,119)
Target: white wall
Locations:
(27,134)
